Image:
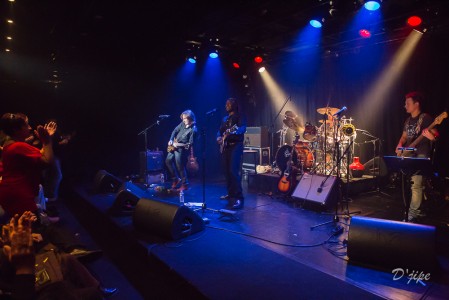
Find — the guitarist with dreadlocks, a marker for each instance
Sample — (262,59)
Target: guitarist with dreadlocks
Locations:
(417,139)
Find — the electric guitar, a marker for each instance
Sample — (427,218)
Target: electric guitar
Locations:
(176,145)
(409,150)
(192,164)
(224,142)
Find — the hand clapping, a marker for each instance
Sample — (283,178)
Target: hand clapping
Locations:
(45,132)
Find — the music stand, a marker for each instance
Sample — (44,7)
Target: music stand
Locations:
(408,166)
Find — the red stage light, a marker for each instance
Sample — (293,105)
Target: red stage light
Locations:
(258,59)
(236,65)
(364,33)
(414,21)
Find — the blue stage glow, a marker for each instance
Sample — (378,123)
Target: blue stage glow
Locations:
(315,23)
(192,60)
(372,5)
(213,55)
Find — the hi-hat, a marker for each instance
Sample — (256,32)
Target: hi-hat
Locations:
(327,110)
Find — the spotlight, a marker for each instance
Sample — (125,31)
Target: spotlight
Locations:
(213,54)
(262,69)
(365,33)
(193,48)
(414,21)
(236,65)
(315,23)
(258,59)
(372,5)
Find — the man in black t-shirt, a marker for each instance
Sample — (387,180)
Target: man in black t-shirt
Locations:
(416,125)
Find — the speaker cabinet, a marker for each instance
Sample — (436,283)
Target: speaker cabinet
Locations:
(105,182)
(169,220)
(126,199)
(151,161)
(391,244)
(256,137)
(316,188)
(253,156)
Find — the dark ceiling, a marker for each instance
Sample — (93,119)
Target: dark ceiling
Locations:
(126,35)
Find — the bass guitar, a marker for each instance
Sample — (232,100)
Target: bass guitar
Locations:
(224,142)
(409,150)
(176,145)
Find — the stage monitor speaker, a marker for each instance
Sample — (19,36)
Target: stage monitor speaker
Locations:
(105,182)
(391,244)
(315,188)
(169,220)
(126,199)
(256,137)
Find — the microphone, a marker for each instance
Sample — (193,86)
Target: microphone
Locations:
(340,111)
(320,189)
(211,111)
(163,116)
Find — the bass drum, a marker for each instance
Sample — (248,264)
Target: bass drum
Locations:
(305,154)
(283,156)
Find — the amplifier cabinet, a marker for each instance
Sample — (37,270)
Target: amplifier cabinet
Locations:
(253,156)
(256,137)
(151,161)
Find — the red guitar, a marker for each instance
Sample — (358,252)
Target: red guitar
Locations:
(192,164)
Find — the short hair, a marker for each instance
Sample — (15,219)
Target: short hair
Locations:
(234,104)
(189,115)
(416,97)
(10,122)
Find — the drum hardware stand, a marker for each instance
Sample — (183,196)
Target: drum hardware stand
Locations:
(336,217)
(289,98)
(376,171)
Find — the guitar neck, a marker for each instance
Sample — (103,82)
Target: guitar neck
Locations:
(420,137)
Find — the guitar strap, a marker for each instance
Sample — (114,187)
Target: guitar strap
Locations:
(418,125)
(184,134)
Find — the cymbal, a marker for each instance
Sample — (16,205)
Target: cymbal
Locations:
(327,110)
(293,124)
(290,114)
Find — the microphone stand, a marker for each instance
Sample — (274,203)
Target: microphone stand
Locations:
(145,134)
(376,173)
(272,127)
(337,166)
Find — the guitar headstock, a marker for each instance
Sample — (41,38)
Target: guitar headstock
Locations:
(440,118)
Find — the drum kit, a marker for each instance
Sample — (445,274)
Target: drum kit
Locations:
(319,147)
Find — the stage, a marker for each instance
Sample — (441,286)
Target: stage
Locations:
(266,250)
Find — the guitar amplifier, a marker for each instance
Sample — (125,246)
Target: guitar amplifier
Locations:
(151,161)
(253,156)
(256,137)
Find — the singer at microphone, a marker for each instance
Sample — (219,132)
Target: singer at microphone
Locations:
(211,111)
(344,108)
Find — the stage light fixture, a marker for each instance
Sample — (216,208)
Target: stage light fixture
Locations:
(372,5)
(258,59)
(365,33)
(414,21)
(213,54)
(315,23)
(262,69)
(193,48)
(236,65)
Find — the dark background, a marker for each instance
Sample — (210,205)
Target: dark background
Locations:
(120,65)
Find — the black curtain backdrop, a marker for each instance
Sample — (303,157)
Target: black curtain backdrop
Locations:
(108,108)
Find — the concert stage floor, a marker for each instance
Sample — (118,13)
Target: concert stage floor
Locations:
(266,251)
